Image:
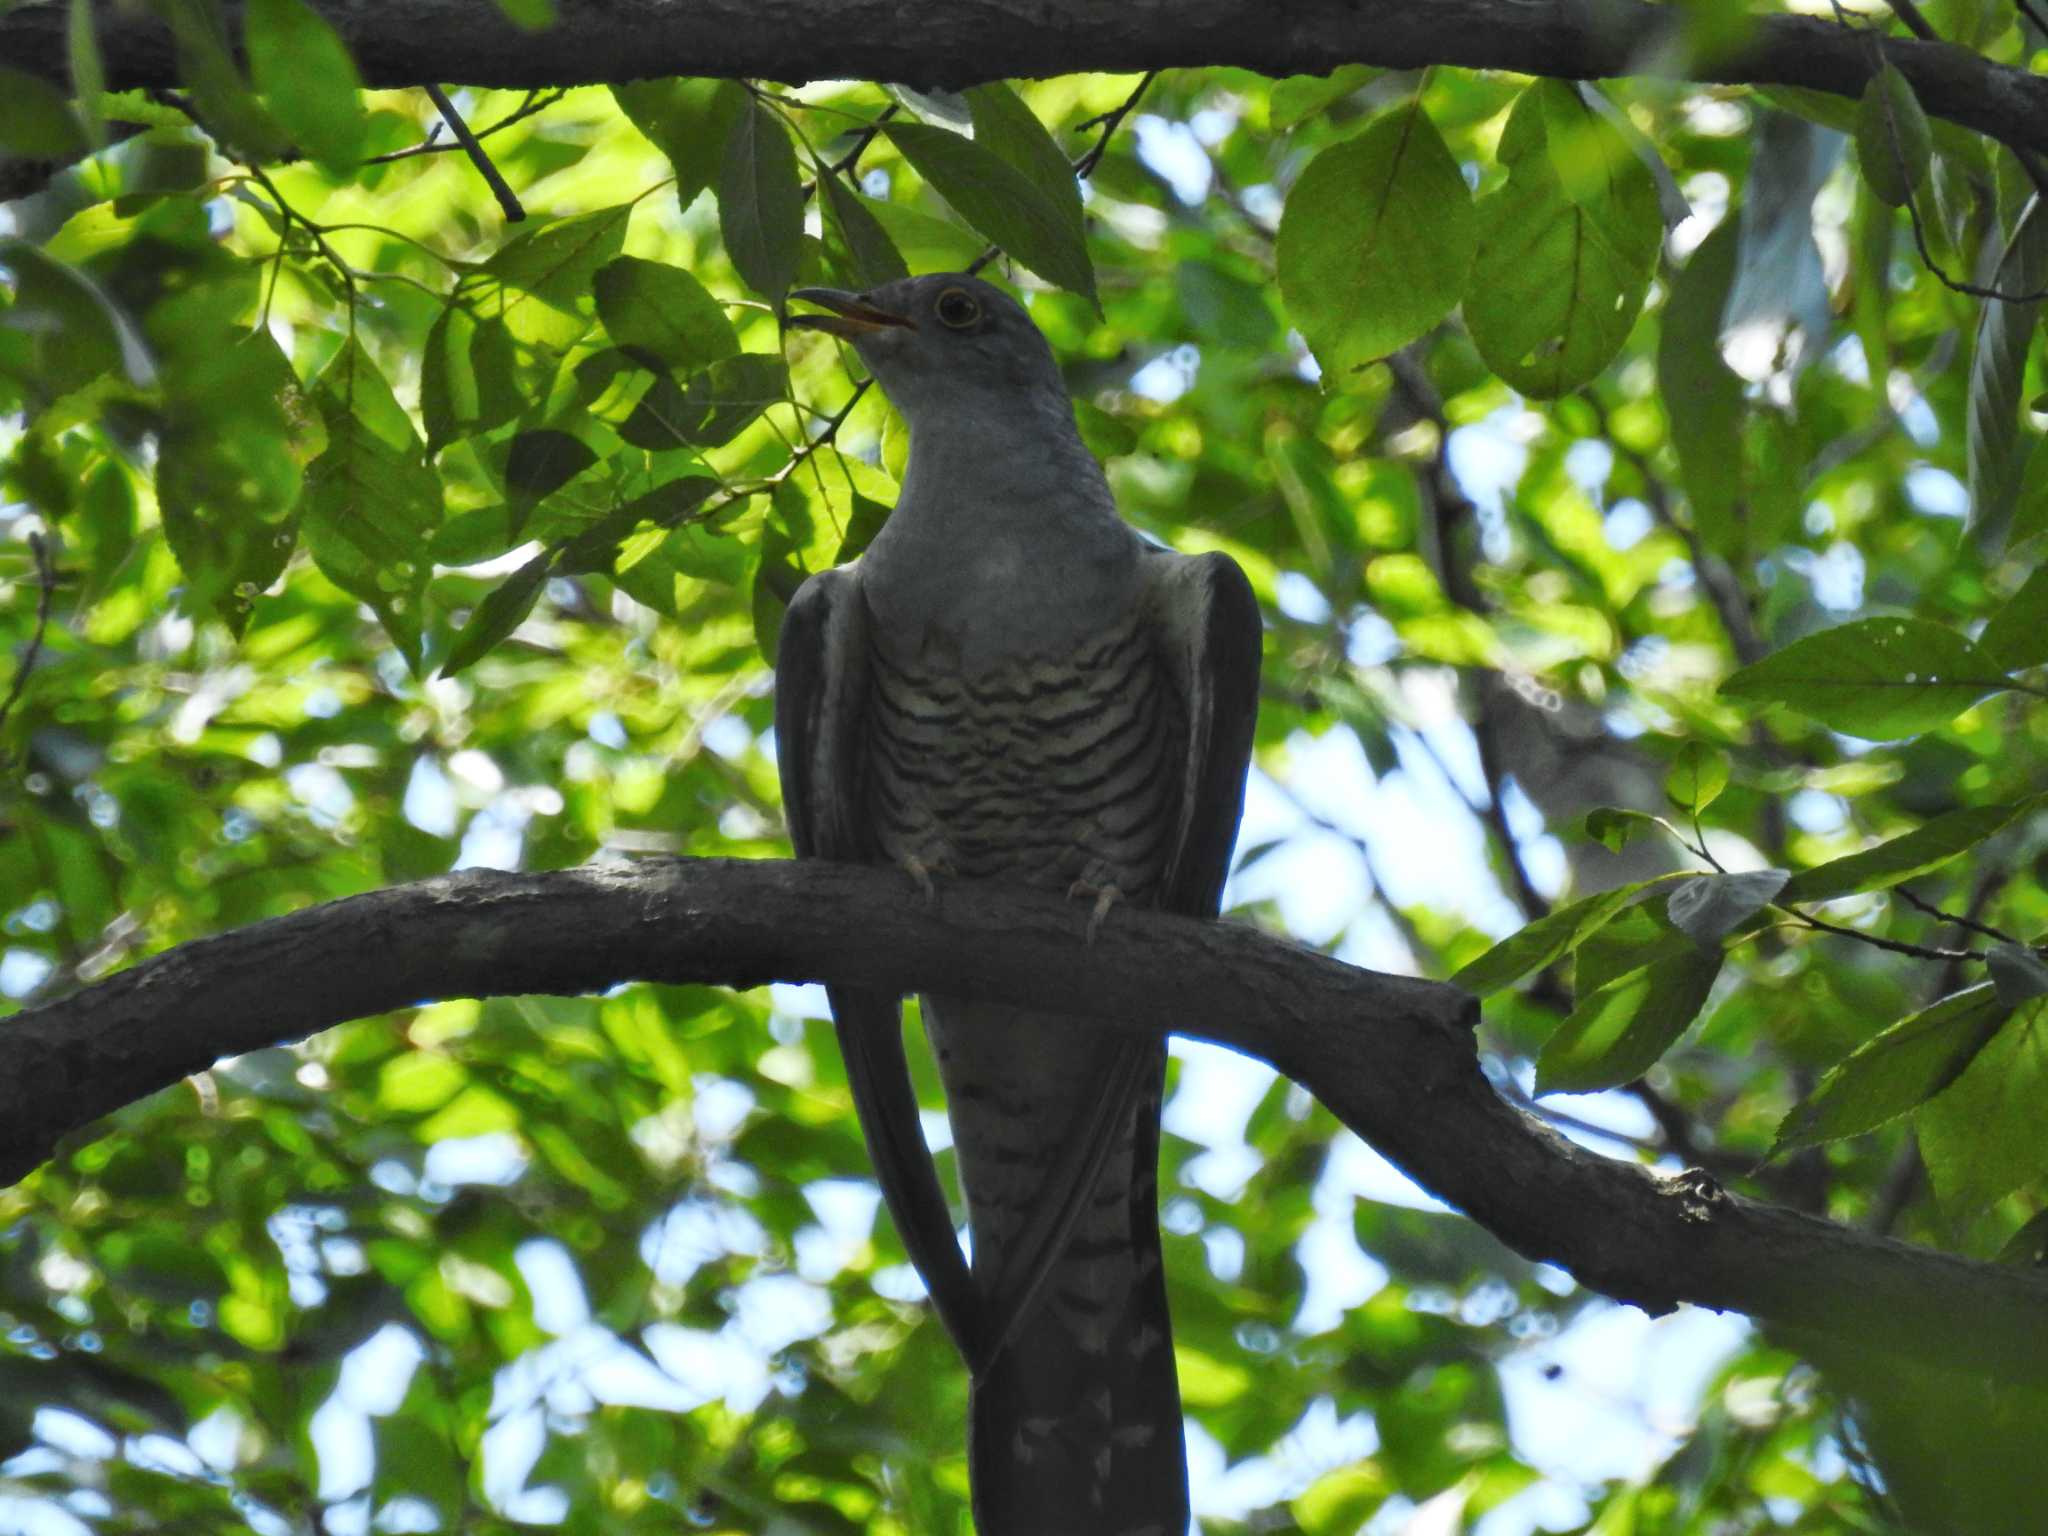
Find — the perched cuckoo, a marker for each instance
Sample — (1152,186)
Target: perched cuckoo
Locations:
(1011,684)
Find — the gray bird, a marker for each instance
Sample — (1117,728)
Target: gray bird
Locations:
(1011,684)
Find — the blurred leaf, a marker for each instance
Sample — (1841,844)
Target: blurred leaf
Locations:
(663,312)
(1896,1070)
(1877,678)
(1892,140)
(1297,98)
(1703,397)
(1998,365)
(1617,1033)
(1001,203)
(36,122)
(2017,636)
(206,65)
(761,203)
(1904,857)
(1375,241)
(308,80)
(1614,826)
(2018,975)
(1981,1135)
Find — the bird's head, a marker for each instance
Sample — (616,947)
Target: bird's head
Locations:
(940,343)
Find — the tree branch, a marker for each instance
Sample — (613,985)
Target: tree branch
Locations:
(412,42)
(1392,1057)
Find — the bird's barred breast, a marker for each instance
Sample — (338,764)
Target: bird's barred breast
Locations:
(1047,772)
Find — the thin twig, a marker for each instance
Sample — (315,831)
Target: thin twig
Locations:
(433,144)
(2027,10)
(1896,946)
(1959,919)
(1109,122)
(46,586)
(1916,23)
(500,188)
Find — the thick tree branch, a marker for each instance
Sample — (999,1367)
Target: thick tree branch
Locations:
(413,42)
(1390,1056)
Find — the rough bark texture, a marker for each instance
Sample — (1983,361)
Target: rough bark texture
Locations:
(1391,1057)
(469,42)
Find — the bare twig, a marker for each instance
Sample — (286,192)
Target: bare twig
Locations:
(433,144)
(508,201)
(1109,122)
(1959,919)
(1896,946)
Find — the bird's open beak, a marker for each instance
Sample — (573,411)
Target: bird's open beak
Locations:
(851,317)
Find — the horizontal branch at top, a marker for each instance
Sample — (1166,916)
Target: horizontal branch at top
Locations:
(470,42)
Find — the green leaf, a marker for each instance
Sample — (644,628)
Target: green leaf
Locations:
(1981,1136)
(207,67)
(1566,246)
(663,312)
(36,122)
(468,377)
(88,69)
(1703,397)
(1613,826)
(371,502)
(1998,367)
(551,272)
(1877,678)
(1902,1067)
(689,121)
(711,408)
(539,464)
(872,257)
(304,71)
(1008,129)
(1000,202)
(75,332)
(501,612)
(1375,241)
(761,203)
(1892,139)
(1903,858)
(1550,938)
(1617,1033)
(1698,775)
(1707,908)
(1297,98)
(2017,636)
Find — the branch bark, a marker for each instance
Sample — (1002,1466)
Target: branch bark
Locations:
(469,42)
(1392,1057)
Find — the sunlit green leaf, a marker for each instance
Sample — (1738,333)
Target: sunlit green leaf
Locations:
(1618,1032)
(1981,1135)
(307,78)
(1904,857)
(1879,678)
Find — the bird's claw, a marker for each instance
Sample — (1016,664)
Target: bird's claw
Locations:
(921,874)
(1106,896)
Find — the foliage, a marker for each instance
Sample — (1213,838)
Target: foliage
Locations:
(1627,514)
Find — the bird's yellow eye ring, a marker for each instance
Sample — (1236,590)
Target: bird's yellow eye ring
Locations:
(958,308)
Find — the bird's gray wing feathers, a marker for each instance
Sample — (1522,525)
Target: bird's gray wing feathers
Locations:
(1205,629)
(821,687)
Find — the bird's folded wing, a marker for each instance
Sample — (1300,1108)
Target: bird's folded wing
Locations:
(821,685)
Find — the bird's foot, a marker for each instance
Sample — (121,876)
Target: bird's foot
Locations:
(921,875)
(1106,896)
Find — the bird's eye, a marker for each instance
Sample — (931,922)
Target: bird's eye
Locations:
(958,308)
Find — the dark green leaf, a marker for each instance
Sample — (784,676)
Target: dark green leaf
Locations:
(1903,858)
(689,121)
(75,333)
(1876,678)
(1703,396)
(501,612)
(1613,826)
(539,463)
(207,67)
(1007,128)
(1617,1033)
(761,203)
(88,70)
(304,71)
(1375,241)
(1998,366)
(1001,202)
(1892,138)
(663,312)
(871,255)
(467,377)
(1546,940)
(1707,908)
(1698,775)
(1297,98)
(1981,1135)
(36,122)
(1904,1066)
(711,408)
